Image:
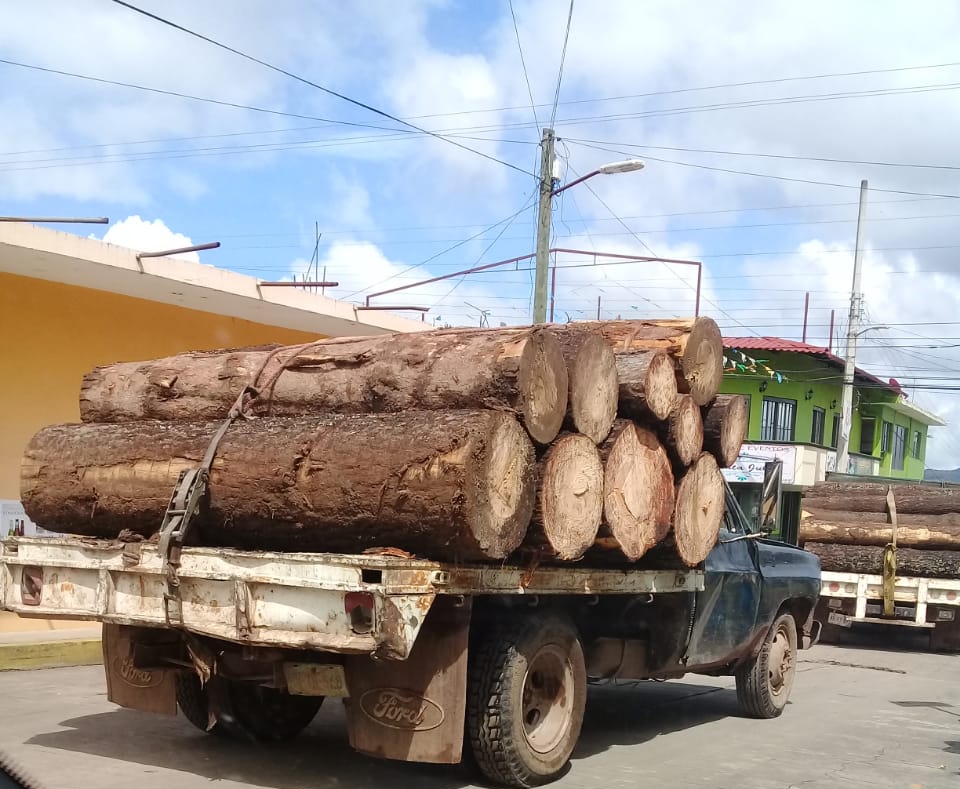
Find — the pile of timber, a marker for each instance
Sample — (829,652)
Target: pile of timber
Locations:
(848,524)
(457,445)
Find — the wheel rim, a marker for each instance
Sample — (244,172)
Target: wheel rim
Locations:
(780,662)
(548,687)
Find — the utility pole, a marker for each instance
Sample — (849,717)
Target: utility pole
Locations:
(543,227)
(853,331)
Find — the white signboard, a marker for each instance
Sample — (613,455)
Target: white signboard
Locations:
(753,457)
(15,523)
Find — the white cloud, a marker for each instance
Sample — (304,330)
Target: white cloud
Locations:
(148,236)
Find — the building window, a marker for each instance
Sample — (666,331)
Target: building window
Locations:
(778,419)
(917,444)
(899,446)
(886,437)
(819,422)
(835,433)
(868,427)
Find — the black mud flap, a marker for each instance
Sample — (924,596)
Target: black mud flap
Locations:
(413,710)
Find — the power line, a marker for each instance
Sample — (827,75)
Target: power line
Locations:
(563,57)
(523,63)
(317,86)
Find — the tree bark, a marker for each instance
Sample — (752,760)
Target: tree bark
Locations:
(517,370)
(911,499)
(950,519)
(879,533)
(869,560)
(451,485)
(725,423)
(694,344)
(682,433)
(699,510)
(648,385)
(592,376)
(570,498)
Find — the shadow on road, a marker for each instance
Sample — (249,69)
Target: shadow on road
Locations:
(321,756)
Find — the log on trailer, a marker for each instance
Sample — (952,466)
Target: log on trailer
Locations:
(592,376)
(725,423)
(569,500)
(682,432)
(647,385)
(638,493)
(700,505)
(868,559)
(824,529)
(518,370)
(911,499)
(450,485)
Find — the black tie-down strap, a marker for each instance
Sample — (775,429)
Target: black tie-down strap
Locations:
(184,505)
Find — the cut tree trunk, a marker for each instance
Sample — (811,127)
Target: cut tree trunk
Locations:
(695,345)
(570,498)
(869,560)
(637,489)
(911,499)
(518,370)
(879,533)
(592,376)
(725,423)
(699,510)
(648,384)
(453,485)
(951,519)
(682,432)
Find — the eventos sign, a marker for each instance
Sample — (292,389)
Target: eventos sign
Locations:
(753,457)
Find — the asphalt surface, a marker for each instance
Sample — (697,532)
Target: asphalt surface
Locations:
(859,717)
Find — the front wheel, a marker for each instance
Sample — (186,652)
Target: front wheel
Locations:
(527,689)
(764,684)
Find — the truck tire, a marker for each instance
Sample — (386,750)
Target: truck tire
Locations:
(526,692)
(764,683)
(247,711)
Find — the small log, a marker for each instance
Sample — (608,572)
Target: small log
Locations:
(648,385)
(867,559)
(516,370)
(450,485)
(592,377)
(699,510)
(637,489)
(878,533)
(570,498)
(912,499)
(725,423)
(682,432)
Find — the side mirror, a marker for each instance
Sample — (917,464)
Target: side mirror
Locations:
(769,514)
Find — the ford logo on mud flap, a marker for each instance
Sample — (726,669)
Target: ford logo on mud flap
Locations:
(401,709)
(136,677)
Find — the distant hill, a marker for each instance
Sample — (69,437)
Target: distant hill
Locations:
(942,475)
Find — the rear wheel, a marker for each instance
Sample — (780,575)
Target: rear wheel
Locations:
(764,684)
(244,710)
(526,697)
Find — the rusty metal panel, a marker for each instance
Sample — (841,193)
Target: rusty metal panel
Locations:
(315,679)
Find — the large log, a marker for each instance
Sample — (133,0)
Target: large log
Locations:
(592,376)
(695,345)
(945,536)
(648,385)
(638,493)
(454,485)
(570,498)
(682,432)
(912,520)
(699,510)
(869,560)
(911,499)
(725,423)
(518,370)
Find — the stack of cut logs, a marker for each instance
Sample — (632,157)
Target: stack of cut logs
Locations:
(848,525)
(458,445)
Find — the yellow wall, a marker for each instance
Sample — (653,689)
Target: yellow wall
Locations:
(52,334)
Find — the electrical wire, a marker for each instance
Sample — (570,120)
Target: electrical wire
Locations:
(563,58)
(523,63)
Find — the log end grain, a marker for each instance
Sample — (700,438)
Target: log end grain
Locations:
(570,504)
(593,388)
(699,510)
(638,493)
(544,384)
(647,384)
(701,364)
(684,431)
(725,423)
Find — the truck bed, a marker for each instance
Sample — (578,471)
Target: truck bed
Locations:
(290,600)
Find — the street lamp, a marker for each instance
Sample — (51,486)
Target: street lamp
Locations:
(547,193)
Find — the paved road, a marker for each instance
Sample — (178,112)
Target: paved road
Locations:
(859,717)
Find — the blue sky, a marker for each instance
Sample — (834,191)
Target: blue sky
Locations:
(639,79)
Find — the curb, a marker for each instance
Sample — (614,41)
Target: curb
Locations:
(51,654)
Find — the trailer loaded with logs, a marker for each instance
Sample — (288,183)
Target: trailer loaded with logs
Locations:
(452,530)
(890,553)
